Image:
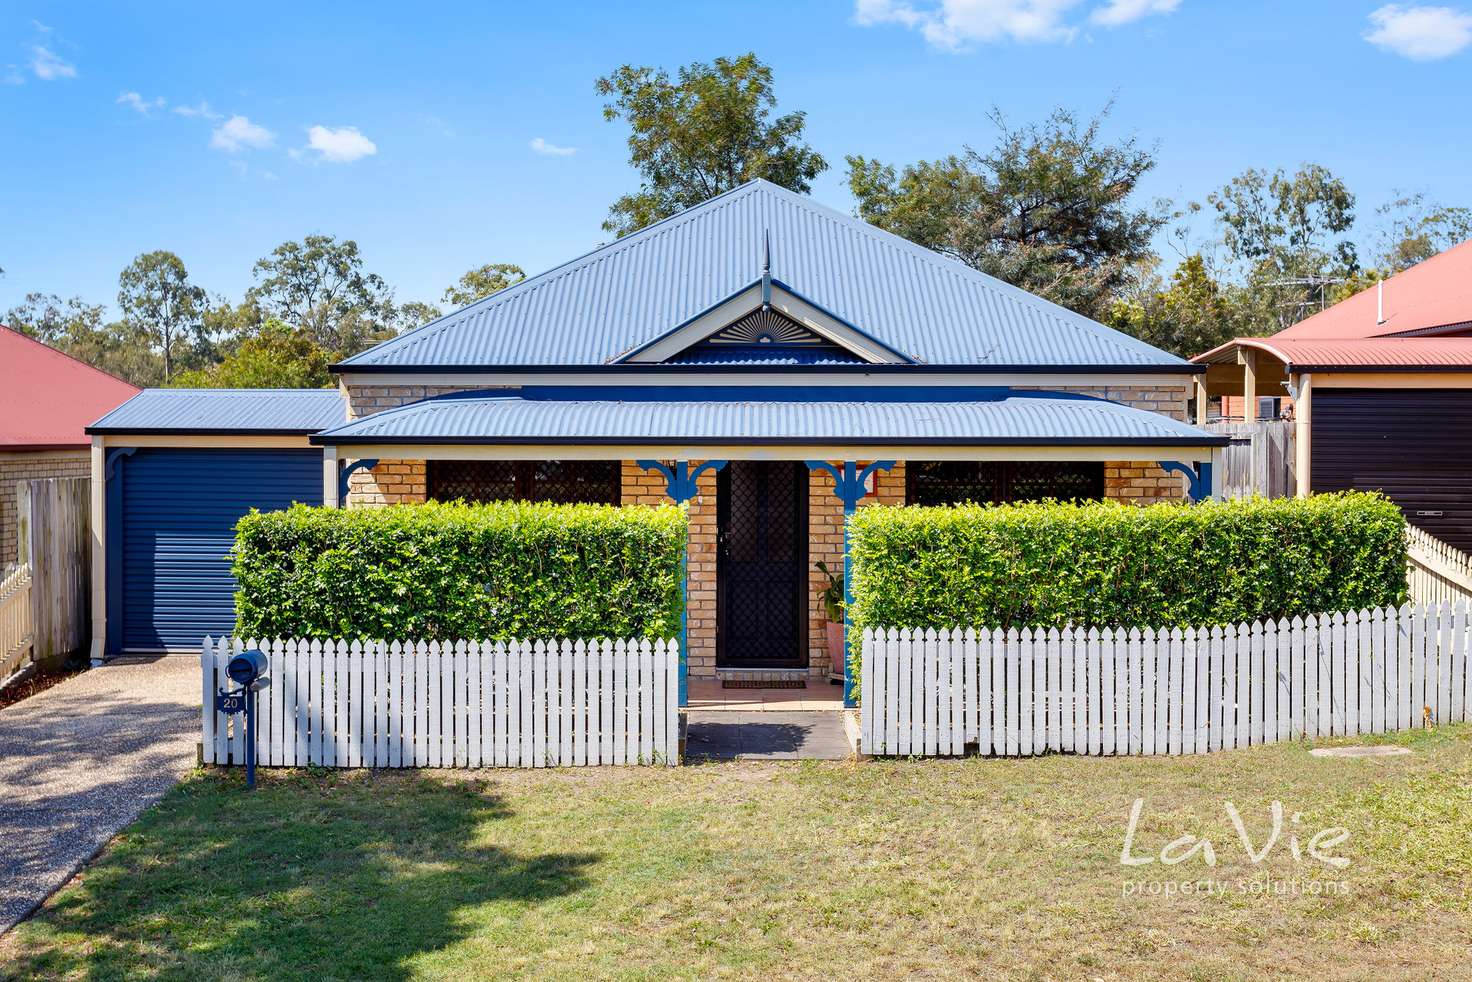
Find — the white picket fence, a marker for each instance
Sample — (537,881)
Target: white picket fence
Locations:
(1435,570)
(1016,693)
(15,621)
(466,704)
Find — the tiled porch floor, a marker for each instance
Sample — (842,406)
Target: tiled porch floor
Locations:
(707,694)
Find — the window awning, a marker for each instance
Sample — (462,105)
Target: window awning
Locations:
(772,417)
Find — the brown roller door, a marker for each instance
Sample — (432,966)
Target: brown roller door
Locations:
(1413,444)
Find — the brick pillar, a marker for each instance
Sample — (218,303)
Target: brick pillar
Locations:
(1141,483)
(641,487)
(825,542)
(389,482)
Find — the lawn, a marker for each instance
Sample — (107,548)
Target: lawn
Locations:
(987,867)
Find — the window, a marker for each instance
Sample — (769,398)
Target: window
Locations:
(950,482)
(560,481)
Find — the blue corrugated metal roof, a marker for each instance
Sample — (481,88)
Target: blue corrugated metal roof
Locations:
(622,296)
(662,415)
(239,411)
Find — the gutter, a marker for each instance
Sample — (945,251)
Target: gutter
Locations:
(328,440)
(194,431)
(1185,368)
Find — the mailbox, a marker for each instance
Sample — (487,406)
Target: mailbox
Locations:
(248,670)
(246,667)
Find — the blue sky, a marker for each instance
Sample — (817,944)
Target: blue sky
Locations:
(409,127)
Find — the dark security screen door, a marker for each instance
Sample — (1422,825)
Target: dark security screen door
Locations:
(761,564)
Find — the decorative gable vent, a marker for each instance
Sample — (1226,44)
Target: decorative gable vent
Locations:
(765,326)
(765,336)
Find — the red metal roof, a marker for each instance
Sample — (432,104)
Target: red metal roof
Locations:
(1431,294)
(1357,354)
(1433,297)
(46,397)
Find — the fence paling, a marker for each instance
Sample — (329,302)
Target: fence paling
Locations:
(1260,459)
(1017,693)
(467,704)
(55,539)
(16,632)
(1435,570)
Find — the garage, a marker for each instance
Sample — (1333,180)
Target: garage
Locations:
(176,518)
(180,468)
(1415,445)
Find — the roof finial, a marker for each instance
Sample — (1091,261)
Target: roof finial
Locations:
(766,269)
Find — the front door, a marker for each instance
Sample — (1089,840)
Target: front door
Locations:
(761,564)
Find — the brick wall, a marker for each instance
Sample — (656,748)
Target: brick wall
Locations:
(367,399)
(389,482)
(642,487)
(17,467)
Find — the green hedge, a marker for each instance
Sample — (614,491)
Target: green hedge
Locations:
(451,571)
(1106,564)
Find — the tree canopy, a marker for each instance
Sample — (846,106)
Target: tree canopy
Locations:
(319,285)
(706,131)
(277,356)
(481,282)
(1050,207)
(159,303)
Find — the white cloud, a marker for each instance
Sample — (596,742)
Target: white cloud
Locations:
(201,111)
(13,75)
(49,66)
(340,146)
(956,24)
(1420,33)
(1117,13)
(239,133)
(139,104)
(542,146)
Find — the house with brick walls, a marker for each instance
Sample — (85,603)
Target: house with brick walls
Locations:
(768,362)
(46,401)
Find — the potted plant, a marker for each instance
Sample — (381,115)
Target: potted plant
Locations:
(832,597)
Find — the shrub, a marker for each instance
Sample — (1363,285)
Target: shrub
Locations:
(1108,564)
(450,571)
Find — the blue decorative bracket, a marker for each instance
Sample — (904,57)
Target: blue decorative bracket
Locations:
(848,484)
(682,484)
(347,472)
(1198,478)
(849,487)
(112,459)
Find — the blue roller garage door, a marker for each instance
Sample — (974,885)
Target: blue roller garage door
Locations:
(171,522)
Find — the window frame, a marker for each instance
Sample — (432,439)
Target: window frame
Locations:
(1004,474)
(524,480)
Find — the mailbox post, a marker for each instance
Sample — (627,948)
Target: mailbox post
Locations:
(248,670)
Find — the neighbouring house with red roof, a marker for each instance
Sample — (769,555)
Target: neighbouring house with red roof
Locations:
(1381,390)
(46,401)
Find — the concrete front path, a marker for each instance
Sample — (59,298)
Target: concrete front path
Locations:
(80,761)
(724,734)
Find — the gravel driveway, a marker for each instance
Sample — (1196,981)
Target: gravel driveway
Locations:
(80,761)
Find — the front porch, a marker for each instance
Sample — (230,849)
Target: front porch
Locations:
(768,478)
